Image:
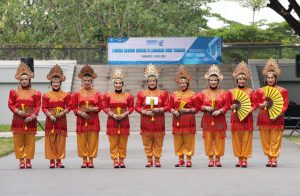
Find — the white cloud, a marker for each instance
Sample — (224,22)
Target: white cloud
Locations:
(233,11)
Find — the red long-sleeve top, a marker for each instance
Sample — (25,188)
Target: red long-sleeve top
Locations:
(147,125)
(263,120)
(31,99)
(247,123)
(50,102)
(112,101)
(78,102)
(185,123)
(209,122)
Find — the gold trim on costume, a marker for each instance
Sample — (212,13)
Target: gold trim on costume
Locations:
(184,94)
(213,93)
(120,97)
(154,93)
(25,93)
(87,93)
(53,95)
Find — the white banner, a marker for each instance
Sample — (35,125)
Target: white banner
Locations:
(159,50)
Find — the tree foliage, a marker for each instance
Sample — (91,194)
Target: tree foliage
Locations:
(91,21)
(261,40)
(278,7)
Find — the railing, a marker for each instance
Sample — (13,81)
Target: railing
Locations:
(235,52)
(96,53)
(92,54)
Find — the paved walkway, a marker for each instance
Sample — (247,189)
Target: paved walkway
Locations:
(137,180)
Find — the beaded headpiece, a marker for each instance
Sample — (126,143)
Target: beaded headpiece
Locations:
(242,68)
(118,74)
(182,73)
(214,70)
(56,74)
(87,71)
(151,70)
(23,69)
(271,67)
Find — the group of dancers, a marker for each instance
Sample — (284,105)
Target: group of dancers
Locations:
(151,103)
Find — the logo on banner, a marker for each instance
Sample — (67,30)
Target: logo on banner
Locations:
(155,42)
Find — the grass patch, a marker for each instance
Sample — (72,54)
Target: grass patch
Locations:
(295,139)
(7,145)
(6,128)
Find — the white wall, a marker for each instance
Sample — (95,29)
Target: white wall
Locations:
(7,81)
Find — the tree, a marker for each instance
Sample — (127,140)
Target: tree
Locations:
(253,41)
(254,5)
(278,8)
(92,21)
(286,13)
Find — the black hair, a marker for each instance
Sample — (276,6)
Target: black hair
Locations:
(87,75)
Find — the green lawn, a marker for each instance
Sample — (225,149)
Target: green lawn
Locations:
(6,128)
(295,139)
(7,145)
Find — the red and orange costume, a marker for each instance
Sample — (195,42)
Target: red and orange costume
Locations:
(242,131)
(152,127)
(26,100)
(214,127)
(271,130)
(57,104)
(184,126)
(118,103)
(87,129)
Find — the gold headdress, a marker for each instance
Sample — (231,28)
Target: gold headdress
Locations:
(182,73)
(56,74)
(242,68)
(151,70)
(214,70)
(118,74)
(87,70)
(271,66)
(23,69)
